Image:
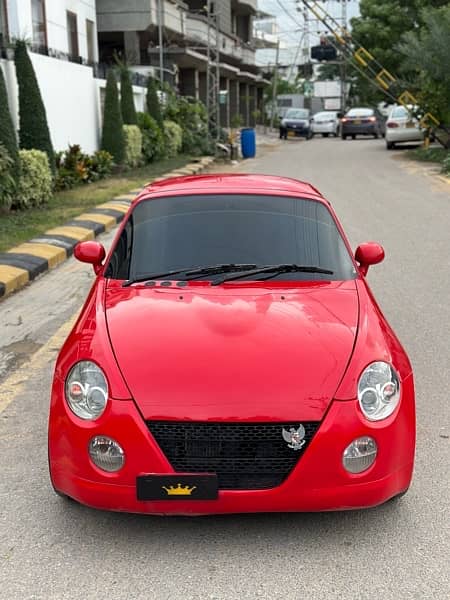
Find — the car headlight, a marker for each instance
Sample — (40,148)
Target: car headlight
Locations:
(378,391)
(86,390)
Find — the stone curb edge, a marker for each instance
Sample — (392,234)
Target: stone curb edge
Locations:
(22,264)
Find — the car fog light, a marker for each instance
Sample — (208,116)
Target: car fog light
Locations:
(360,455)
(106,454)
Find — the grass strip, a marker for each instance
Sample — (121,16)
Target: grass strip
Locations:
(20,226)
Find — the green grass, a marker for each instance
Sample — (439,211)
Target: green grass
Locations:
(434,154)
(21,226)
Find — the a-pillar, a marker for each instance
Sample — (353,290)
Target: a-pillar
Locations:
(190,83)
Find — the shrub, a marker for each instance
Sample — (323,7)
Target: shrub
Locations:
(133,145)
(153,105)
(446,164)
(192,117)
(34,132)
(35,183)
(127,98)
(173,136)
(7,182)
(7,132)
(74,167)
(152,138)
(113,139)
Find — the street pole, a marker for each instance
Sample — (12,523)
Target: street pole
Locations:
(344,62)
(161,42)
(275,85)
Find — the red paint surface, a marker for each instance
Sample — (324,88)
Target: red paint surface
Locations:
(247,351)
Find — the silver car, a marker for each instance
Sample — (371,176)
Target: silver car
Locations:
(325,123)
(401,126)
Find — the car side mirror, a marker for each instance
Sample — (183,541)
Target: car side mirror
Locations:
(368,254)
(90,252)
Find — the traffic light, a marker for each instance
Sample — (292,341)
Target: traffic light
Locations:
(323,52)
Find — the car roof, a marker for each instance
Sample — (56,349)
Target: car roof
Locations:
(230,183)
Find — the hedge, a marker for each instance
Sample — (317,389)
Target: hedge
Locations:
(133,145)
(173,136)
(35,183)
(7,182)
(113,139)
(153,147)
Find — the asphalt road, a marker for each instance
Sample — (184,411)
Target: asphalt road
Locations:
(54,549)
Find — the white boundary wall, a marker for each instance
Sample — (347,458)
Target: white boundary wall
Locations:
(72,97)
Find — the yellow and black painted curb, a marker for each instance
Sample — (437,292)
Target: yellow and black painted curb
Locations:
(22,264)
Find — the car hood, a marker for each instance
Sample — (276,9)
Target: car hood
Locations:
(232,352)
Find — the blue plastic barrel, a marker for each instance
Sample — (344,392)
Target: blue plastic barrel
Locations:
(248,143)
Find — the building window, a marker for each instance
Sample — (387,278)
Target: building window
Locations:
(72,34)
(90,36)
(39,25)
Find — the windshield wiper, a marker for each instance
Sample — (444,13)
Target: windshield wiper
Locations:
(191,273)
(275,270)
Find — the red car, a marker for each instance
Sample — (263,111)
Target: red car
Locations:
(230,357)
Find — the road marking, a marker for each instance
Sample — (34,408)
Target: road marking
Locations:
(15,383)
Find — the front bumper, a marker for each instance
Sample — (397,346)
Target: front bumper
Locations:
(295,131)
(318,482)
(404,135)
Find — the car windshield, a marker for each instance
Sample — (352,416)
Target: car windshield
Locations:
(191,232)
(297,113)
(399,113)
(360,112)
(325,115)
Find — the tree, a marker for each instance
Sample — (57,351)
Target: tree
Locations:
(113,139)
(127,98)
(153,105)
(33,133)
(425,53)
(379,30)
(7,133)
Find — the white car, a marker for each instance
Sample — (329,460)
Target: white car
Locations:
(401,126)
(326,123)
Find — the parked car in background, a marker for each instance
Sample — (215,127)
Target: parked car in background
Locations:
(296,123)
(363,121)
(325,123)
(401,126)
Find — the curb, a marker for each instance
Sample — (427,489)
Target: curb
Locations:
(22,264)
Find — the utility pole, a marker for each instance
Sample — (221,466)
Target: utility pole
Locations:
(344,62)
(161,41)
(274,86)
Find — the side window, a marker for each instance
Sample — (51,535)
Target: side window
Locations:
(119,265)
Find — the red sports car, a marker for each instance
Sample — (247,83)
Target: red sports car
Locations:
(230,357)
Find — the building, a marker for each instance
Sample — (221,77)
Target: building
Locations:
(64,49)
(74,42)
(133,31)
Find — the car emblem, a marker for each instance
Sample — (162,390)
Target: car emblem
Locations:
(294,437)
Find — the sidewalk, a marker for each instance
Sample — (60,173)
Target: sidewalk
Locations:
(22,264)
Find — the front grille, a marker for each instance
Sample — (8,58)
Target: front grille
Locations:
(245,456)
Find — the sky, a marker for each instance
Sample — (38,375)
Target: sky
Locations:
(290,25)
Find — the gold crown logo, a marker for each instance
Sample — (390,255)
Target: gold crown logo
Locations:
(179,490)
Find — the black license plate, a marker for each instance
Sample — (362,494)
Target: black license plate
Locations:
(203,486)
